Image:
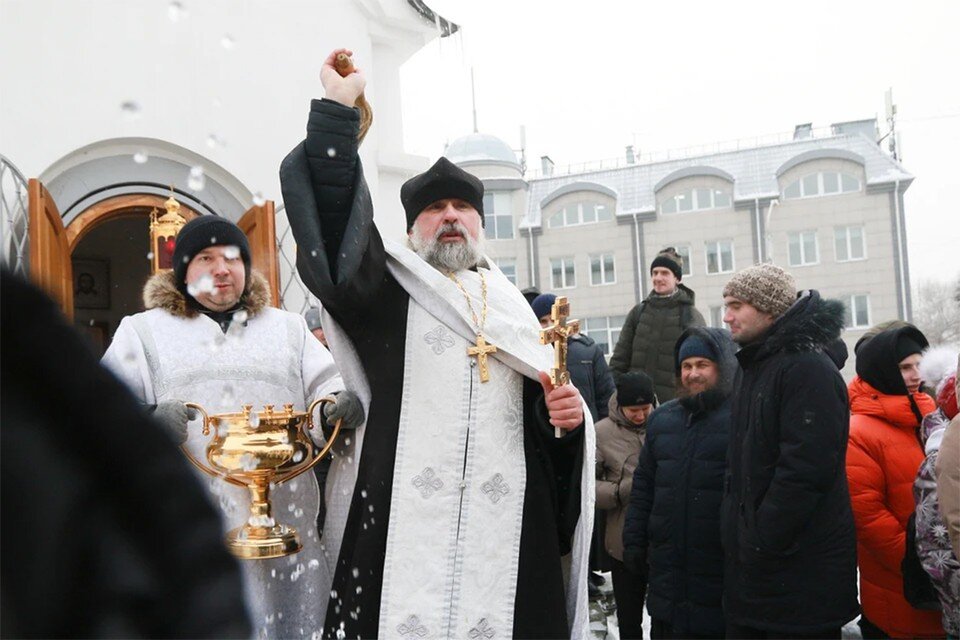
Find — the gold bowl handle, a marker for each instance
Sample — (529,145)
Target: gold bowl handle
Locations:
(206,432)
(319,456)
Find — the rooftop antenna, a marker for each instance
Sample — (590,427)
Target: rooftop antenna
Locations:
(891,113)
(473,92)
(523,149)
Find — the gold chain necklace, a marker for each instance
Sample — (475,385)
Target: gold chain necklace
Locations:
(482,349)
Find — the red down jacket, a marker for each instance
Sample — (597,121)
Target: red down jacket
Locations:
(883,456)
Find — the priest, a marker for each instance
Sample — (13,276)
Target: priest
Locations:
(456,510)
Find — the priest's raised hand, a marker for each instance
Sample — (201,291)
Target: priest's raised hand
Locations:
(563,404)
(344,90)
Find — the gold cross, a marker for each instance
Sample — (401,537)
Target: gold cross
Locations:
(557,334)
(480,352)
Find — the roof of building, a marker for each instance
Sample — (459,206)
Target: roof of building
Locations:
(479,148)
(754,172)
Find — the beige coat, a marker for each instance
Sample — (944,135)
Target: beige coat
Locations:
(618,450)
(948,481)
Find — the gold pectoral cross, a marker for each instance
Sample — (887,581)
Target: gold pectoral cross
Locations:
(480,352)
(557,334)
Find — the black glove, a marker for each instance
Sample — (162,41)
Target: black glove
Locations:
(174,415)
(635,560)
(347,408)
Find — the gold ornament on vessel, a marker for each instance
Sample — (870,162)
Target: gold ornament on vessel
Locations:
(257,450)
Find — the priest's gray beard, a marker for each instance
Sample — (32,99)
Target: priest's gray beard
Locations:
(447,256)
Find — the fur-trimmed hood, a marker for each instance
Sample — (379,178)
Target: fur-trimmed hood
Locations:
(161,292)
(813,323)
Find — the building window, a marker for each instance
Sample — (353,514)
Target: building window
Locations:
(602,269)
(696,200)
(579,213)
(822,183)
(497,215)
(563,273)
(605,331)
(802,248)
(716,317)
(849,243)
(720,257)
(509,268)
(857,311)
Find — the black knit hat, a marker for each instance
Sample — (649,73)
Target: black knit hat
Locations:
(635,388)
(878,359)
(443,180)
(669,259)
(203,232)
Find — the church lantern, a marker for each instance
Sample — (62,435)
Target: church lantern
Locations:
(163,235)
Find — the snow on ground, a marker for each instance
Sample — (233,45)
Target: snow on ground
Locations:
(603,617)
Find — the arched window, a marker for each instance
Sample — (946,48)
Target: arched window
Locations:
(822,183)
(696,200)
(577,213)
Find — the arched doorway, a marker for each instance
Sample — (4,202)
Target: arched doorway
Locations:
(95,216)
(110,254)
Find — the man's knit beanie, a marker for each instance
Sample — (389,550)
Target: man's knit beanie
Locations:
(696,347)
(635,388)
(543,304)
(765,286)
(200,233)
(443,180)
(669,259)
(312,318)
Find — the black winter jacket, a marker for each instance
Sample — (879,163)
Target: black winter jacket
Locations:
(788,534)
(649,334)
(674,511)
(590,374)
(106,530)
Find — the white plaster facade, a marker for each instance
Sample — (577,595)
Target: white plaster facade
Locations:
(222,84)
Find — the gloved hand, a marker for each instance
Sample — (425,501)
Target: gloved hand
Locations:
(347,407)
(174,415)
(635,560)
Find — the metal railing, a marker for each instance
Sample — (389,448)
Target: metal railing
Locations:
(14,219)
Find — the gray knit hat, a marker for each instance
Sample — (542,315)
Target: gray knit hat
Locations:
(765,286)
(312,316)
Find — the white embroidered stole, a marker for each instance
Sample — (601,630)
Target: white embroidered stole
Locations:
(456,509)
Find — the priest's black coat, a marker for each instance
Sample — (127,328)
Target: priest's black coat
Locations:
(341,259)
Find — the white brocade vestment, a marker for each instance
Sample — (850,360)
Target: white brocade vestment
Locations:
(456,507)
(272,360)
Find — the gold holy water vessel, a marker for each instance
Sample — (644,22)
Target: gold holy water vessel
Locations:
(257,450)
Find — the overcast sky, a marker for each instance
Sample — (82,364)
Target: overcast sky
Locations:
(589,78)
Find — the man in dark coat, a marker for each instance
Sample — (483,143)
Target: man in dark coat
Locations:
(673,521)
(106,530)
(788,534)
(652,327)
(457,461)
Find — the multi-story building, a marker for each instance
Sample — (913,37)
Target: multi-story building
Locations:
(827,206)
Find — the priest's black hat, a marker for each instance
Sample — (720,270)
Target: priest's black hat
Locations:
(443,180)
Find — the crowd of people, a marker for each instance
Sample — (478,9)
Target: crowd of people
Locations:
(729,480)
(767,487)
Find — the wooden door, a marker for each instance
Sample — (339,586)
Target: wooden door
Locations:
(259,224)
(50,266)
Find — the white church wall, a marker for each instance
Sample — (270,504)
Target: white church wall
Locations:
(230,80)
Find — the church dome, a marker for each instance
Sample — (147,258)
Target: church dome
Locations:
(480,148)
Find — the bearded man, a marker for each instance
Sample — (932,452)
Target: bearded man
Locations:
(450,511)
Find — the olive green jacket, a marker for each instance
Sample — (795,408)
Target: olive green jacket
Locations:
(649,334)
